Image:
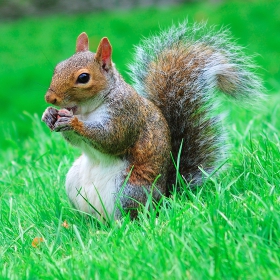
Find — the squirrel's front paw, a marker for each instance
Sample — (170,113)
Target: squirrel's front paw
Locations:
(50,117)
(63,122)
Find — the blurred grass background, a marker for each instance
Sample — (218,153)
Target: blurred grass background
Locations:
(30,47)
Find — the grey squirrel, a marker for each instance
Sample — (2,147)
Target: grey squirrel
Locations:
(127,134)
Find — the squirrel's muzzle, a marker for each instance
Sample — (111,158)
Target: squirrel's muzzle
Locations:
(51,97)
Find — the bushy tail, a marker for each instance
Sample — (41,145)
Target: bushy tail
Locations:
(180,70)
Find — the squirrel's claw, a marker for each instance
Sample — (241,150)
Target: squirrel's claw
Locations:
(50,117)
(63,124)
(57,120)
(65,113)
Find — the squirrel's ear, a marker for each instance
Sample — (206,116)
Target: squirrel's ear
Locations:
(82,43)
(104,54)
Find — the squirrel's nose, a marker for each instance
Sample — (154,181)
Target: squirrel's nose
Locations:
(50,97)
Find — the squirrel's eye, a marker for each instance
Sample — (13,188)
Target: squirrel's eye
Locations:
(83,78)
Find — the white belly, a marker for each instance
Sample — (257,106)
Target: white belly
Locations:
(95,181)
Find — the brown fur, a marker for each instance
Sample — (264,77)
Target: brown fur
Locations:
(64,88)
(170,73)
(78,126)
(147,162)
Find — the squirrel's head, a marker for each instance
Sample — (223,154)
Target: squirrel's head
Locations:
(82,76)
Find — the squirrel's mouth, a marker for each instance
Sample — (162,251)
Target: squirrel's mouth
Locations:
(72,109)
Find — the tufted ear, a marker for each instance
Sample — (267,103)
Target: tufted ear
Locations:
(82,43)
(104,54)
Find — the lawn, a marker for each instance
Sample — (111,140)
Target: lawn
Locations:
(227,229)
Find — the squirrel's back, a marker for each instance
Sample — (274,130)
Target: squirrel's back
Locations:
(180,71)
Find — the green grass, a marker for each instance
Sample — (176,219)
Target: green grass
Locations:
(227,229)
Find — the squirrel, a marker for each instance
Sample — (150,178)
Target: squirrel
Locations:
(127,134)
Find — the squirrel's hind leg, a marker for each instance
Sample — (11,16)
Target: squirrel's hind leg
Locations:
(131,197)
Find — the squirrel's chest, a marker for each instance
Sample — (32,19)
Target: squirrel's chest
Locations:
(92,183)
